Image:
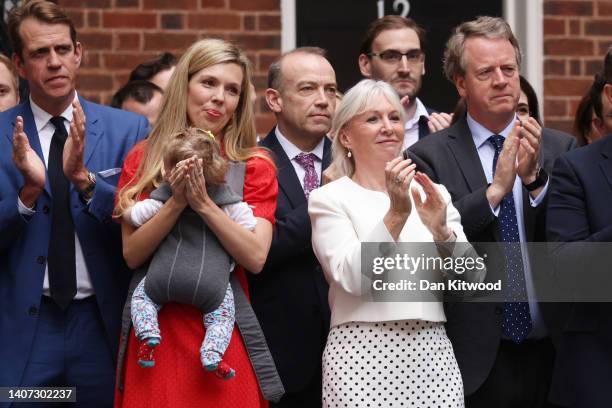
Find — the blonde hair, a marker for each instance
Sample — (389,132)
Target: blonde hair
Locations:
(202,144)
(239,135)
(357,100)
(14,76)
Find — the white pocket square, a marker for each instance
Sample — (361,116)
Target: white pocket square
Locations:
(110,172)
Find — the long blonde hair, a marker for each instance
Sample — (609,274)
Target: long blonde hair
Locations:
(239,136)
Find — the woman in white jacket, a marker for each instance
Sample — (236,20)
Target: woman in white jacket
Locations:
(383,353)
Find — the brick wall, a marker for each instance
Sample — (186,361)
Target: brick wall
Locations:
(576,36)
(119,34)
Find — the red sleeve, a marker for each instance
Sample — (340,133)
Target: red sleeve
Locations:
(261,187)
(130,165)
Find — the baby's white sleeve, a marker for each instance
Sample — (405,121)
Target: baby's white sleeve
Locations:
(242,214)
(143,211)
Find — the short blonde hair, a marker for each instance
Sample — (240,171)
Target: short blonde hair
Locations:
(484,26)
(14,76)
(196,142)
(357,100)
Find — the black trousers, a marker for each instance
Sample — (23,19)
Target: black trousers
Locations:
(309,397)
(520,377)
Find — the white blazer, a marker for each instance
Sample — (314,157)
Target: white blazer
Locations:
(343,215)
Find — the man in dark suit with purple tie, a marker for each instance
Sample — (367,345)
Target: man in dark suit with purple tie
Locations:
(289,296)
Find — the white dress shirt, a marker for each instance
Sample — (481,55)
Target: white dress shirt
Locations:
(344,215)
(45,131)
(486,152)
(292,151)
(411,127)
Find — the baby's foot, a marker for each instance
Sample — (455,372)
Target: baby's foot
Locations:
(210,359)
(145,352)
(224,371)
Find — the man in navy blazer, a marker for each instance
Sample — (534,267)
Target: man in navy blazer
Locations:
(60,159)
(579,217)
(289,296)
(392,51)
(499,183)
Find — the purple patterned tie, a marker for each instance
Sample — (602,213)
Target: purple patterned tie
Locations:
(311,180)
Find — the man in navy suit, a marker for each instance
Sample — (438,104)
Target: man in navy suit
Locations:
(496,170)
(290,294)
(392,51)
(579,217)
(62,277)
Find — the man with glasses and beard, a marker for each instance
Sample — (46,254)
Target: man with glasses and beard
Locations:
(392,51)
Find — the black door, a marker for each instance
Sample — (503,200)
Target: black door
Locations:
(339,26)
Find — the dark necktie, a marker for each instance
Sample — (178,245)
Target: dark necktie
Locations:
(517,319)
(311,181)
(61,258)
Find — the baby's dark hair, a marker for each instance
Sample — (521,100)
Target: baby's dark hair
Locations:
(202,144)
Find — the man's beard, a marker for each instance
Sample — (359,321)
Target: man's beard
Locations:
(411,93)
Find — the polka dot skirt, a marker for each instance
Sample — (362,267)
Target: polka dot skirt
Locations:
(408,363)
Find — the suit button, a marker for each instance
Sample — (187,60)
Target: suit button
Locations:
(33,311)
(498,310)
(40,259)
(46,209)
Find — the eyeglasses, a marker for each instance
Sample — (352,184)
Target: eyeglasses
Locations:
(413,57)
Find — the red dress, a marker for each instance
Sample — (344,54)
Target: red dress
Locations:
(178,379)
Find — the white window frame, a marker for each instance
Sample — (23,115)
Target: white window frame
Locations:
(526,17)
(288,25)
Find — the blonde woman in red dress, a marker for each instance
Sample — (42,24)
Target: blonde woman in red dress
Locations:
(210,89)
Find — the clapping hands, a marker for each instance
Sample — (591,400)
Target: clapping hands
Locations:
(29,164)
(432,210)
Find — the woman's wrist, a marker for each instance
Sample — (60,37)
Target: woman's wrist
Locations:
(176,205)
(205,208)
(442,234)
(398,215)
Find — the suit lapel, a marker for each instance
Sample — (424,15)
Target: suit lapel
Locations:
(287,179)
(326,156)
(93,131)
(606,163)
(423,127)
(462,146)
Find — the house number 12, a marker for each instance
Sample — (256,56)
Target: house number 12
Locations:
(403,5)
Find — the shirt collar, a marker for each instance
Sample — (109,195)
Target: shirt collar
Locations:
(420,111)
(481,134)
(42,117)
(292,150)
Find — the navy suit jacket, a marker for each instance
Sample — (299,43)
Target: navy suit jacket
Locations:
(423,126)
(289,296)
(24,243)
(450,157)
(580,214)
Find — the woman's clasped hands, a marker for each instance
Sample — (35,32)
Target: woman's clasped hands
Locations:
(189,185)
(431,209)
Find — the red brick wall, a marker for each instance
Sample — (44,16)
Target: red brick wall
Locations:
(119,34)
(576,36)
